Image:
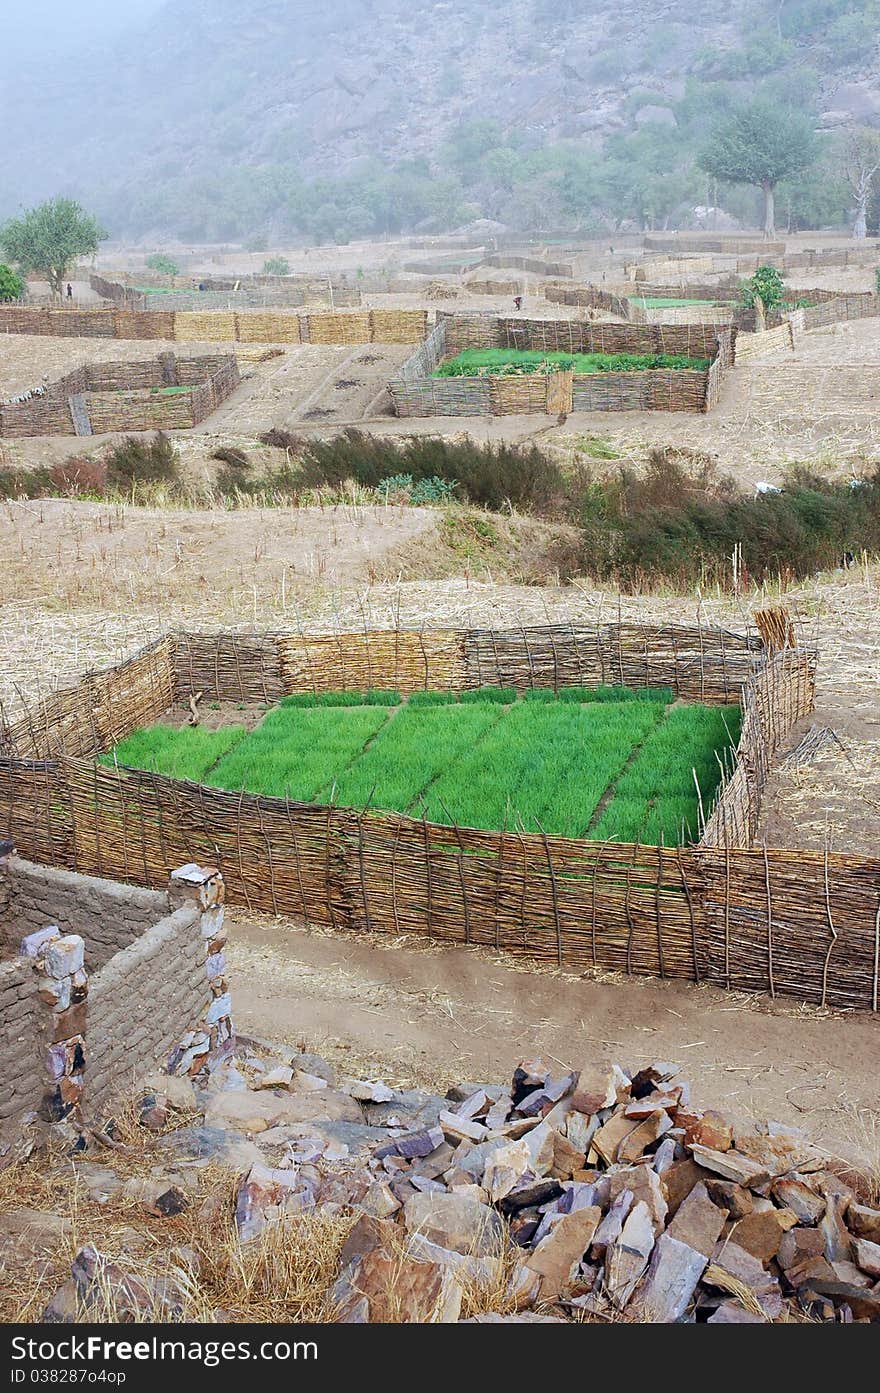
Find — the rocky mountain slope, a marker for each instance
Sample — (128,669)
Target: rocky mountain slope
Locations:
(208,84)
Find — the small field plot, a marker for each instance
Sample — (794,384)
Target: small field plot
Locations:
(507,362)
(667,302)
(606,764)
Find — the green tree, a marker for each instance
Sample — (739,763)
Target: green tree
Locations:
(160,262)
(11,285)
(45,240)
(760,143)
(276,266)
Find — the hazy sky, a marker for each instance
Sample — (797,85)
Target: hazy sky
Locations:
(35,26)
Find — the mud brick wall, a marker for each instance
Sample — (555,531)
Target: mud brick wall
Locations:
(109,916)
(141,1002)
(23,1041)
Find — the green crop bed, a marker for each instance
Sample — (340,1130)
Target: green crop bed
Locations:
(661,302)
(508,362)
(610,764)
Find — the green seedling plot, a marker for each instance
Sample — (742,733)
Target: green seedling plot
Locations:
(510,362)
(607,763)
(180,754)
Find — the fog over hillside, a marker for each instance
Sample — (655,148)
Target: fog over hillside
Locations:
(213,118)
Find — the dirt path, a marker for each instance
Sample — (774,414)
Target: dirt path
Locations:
(434,1014)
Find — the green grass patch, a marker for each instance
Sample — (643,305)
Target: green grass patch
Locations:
(373,697)
(411,752)
(180,754)
(656,797)
(507,362)
(294,750)
(170,391)
(609,763)
(667,302)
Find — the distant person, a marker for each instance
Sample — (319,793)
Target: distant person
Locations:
(69,291)
(517,302)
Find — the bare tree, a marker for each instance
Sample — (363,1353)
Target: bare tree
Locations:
(861,161)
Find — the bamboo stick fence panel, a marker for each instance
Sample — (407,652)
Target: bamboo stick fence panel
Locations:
(336,328)
(793,922)
(228,667)
(35,809)
(700,664)
(99,711)
(721,246)
(268,326)
(772,343)
(398,326)
(398,659)
(191,326)
(778,695)
(143,324)
(574,904)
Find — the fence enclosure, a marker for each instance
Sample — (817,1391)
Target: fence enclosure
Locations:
(789,922)
(416,392)
(102,397)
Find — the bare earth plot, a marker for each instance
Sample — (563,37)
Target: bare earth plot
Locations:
(441,1014)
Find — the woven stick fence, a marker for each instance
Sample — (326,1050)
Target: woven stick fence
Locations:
(416,392)
(218,326)
(788,922)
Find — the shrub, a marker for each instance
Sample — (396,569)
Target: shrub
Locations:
(164,264)
(11,284)
(276,266)
(79,475)
(493,476)
(682,525)
(134,461)
(231,455)
(765,285)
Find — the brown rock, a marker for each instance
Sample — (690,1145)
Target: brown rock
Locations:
(761,1233)
(728,1195)
(456,1222)
(811,1269)
(596,1088)
(379,1201)
(736,1262)
(659,1098)
(678,1181)
(731,1313)
(609,1137)
(867,1256)
(731,1165)
(710,1130)
(397,1290)
(566,1158)
(627,1259)
(779,1154)
(798,1246)
(646,1187)
(645,1134)
(838,1240)
(793,1194)
(864,1222)
(698,1221)
(557,1256)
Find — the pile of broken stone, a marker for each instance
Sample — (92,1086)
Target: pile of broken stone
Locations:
(596,1194)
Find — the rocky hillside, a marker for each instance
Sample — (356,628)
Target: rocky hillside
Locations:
(315,89)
